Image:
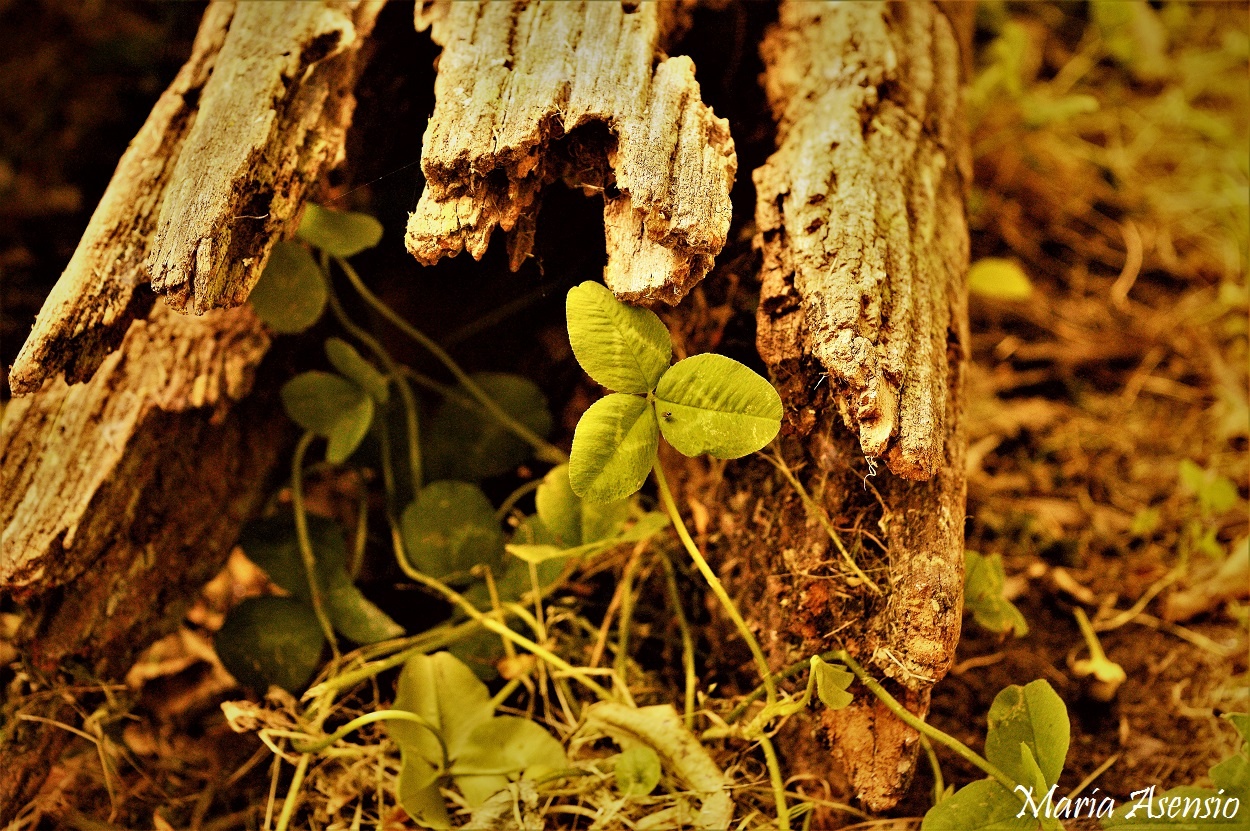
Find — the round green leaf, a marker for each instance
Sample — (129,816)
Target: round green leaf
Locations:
(504,748)
(983,805)
(338,233)
(1033,715)
(418,792)
(572,521)
(637,771)
(831,683)
(330,406)
(450,528)
(613,448)
(997,277)
(465,442)
(713,404)
(344,357)
(451,699)
(271,640)
(291,293)
(623,348)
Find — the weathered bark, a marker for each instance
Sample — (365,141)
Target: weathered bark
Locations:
(519,84)
(863,321)
(122,496)
(215,176)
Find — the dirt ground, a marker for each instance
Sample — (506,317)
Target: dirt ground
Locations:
(1112,163)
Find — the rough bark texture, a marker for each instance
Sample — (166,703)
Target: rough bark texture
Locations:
(863,321)
(531,92)
(121,496)
(211,181)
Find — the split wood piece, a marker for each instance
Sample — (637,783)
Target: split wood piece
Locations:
(120,498)
(214,177)
(863,320)
(531,92)
(860,215)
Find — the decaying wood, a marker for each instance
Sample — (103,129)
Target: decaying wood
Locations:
(211,181)
(863,321)
(121,496)
(522,88)
(860,248)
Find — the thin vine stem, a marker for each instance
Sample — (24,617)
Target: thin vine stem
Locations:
(305,543)
(775,779)
(292,793)
(821,516)
(393,371)
(456,599)
(367,719)
(543,449)
(687,640)
(782,675)
(666,496)
(921,726)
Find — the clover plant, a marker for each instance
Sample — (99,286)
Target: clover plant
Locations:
(704,404)
(1025,749)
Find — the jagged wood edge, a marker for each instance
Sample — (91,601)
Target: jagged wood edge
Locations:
(121,497)
(516,80)
(105,286)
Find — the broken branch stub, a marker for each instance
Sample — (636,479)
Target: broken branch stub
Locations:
(270,120)
(257,114)
(860,218)
(517,82)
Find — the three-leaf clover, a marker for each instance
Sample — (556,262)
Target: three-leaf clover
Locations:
(703,404)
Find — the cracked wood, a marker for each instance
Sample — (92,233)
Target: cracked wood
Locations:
(859,215)
(120,497)
(863,320)
(214,177)
(528,93)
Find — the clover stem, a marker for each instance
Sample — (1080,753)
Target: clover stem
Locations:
(292,793)
(939,784)
(543,450)
(421,644)
(516,496)
(666,496)
(687,640)
(781,675)
(393,370)
(456,599)
(621,664)
(367,719)
(305,544)
(777,782)
(919,725)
